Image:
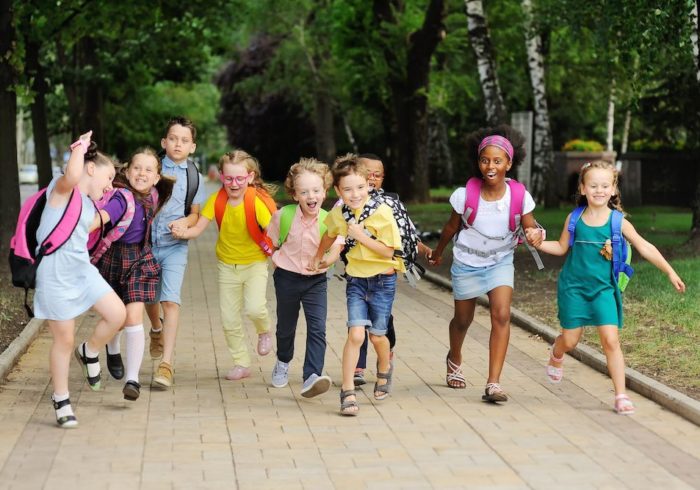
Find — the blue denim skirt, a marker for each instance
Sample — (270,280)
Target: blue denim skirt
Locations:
(469,282)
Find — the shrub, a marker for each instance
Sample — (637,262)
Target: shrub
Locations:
(582,145)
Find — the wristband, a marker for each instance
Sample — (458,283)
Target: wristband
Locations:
(80,143)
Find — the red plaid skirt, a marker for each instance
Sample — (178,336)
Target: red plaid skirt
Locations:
(132,271)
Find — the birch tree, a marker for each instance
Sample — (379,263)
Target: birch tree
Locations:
(543,181)
(480,40)
(694,38)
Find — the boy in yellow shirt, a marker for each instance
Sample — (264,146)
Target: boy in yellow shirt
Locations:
(372,238)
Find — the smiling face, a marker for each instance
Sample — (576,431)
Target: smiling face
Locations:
(309,192)
(353,189)
(493,164)
(101,181)
(235,179)
(142,172)
(178,143)
(598,186)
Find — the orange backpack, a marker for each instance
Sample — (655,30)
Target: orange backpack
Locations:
(254,229)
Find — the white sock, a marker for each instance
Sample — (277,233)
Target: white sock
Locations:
(113,345)
(135,343)
(63,411)
(88,352)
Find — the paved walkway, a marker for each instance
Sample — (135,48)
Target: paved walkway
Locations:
(208,432)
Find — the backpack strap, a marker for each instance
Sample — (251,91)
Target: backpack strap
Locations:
(471,201)
(517,203)
(192,185)
(252,222)
(220,206)
(620,247)
(571,228)
(65,226)
(118,230)
(286,217)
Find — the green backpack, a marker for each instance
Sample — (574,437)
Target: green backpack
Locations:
(287,216)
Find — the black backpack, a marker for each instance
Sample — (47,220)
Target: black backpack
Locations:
(192,182)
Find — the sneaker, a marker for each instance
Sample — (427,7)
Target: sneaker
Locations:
(237,372)
(315,385)
(156,344)
(67,419)
(359,377)
(280,374)
(115,365)
(264,343)
(132,390)
(90,365)
(164,376)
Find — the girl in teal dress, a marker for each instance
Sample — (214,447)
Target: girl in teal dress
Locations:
(587,292)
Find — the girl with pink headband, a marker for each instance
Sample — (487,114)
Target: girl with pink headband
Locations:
(486,229)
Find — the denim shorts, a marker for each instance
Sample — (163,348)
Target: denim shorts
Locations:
(470,282)
(173,261)
(370,300)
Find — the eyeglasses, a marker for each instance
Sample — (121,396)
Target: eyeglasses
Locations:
(375,175)
(228,179)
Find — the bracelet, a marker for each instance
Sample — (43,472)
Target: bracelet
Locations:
(80,143)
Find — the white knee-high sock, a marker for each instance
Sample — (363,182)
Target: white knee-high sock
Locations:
(113,345)
(135,344)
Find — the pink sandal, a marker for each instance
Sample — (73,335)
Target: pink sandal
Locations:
(554,374)
(623,405)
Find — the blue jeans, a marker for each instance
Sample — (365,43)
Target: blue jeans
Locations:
(293,290)
(369,301)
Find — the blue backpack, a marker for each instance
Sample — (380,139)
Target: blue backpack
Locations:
(621,249)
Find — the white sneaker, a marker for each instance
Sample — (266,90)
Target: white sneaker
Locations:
(315,385)
(280,374)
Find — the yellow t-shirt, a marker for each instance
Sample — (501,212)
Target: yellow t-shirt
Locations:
(363,262)
(235,245)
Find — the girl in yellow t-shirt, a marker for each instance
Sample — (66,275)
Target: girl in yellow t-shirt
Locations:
(242,253)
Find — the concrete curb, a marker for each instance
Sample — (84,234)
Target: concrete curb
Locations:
(14,351)
(669,398)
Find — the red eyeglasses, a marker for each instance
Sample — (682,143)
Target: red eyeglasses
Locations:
(229,179)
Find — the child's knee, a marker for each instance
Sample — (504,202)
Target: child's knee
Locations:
(462,323)
(500,317)
(356,335)
(610,344)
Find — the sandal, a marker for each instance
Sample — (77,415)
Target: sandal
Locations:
(349,407)
(89,365)
(494,393)
(66,421)
(455,376)
(623,405)
(384,389)
(554,374)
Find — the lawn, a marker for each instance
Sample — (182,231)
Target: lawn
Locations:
(661,336)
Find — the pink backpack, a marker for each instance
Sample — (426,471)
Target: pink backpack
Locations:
(100,240)
(517,204)
(24,257)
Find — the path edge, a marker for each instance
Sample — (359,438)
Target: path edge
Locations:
(10,356)
(667,397)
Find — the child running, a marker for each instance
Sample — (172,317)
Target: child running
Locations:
(296,232)
(375,179)
(128,265)
(587,291)
(179,143)
(67,284)
(370,272)
(242,262)
(483,249)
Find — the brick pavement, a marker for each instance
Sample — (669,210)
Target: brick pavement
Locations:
(208,432)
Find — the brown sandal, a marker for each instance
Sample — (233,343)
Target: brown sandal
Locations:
(349,407)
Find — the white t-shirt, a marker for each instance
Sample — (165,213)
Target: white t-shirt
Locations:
(491,219)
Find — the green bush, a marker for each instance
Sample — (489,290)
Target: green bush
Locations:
(582,145)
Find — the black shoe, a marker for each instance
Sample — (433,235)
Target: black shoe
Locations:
(131,390)
(115,365)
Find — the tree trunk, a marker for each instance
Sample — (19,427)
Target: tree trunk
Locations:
(324,126)
(439,150)
(39,120)
(9,184)
(695,225)
(409,99)
(611,118)
(626,132)
(480,40)
(543,172)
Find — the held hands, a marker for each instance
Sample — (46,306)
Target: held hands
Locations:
(179,229)
(434,259)
(535,236)
(316,265)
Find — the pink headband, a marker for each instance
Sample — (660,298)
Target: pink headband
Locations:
(498,142)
